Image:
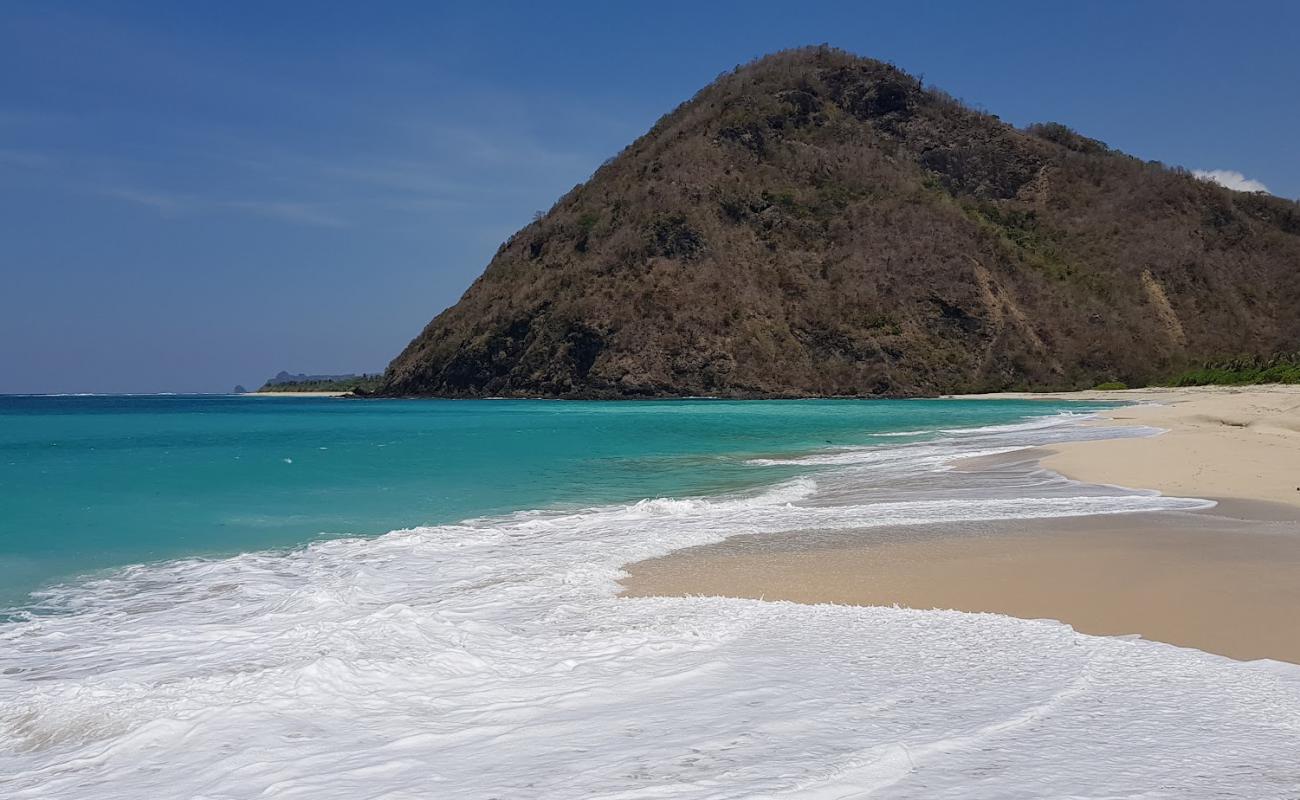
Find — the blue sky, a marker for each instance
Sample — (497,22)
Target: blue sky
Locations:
(200,194)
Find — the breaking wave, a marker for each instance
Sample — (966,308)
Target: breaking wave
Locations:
(493,658)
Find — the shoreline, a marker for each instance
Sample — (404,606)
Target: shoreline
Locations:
(1182,578)
(1219,441)
(295,394)
(1225,580)
(500,640)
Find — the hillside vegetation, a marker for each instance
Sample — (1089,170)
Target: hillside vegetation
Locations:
(1242,371)
(815,223)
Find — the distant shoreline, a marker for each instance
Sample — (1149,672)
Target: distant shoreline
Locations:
(295,394)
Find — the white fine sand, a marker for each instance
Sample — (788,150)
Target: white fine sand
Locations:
(1220,442)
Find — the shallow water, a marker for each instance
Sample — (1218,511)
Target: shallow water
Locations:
(492,658)
(94,482)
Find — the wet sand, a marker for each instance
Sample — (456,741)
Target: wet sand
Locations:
(1203,580)
(1225,580)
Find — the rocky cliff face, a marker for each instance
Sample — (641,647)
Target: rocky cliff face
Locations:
(820,224)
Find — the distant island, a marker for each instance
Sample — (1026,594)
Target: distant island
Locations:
(817,224)
(361,384)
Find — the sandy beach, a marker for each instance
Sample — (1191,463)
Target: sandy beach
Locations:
(1226,580)
(1221,442)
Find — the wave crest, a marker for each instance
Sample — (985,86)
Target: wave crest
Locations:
(494,658)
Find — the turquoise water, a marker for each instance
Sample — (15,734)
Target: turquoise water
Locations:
(494,657)
(88,483)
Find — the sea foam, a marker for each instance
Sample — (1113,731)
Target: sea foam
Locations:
(493,658)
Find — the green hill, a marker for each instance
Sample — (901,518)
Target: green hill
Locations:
(815,223)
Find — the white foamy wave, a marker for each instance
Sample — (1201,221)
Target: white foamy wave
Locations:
(1065,419)
(493,659)
(950,444)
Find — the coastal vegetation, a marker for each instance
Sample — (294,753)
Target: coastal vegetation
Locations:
(1247,370)
(356,384)
(819,224)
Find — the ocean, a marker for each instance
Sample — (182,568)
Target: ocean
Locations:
(234,597)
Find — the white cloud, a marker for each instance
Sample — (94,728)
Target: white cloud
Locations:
(1230,178)
(302,213)
(24,158)
(169,205)
(175,205)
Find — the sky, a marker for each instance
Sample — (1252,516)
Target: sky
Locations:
(198,195)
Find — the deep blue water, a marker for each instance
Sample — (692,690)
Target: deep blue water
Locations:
(88,483)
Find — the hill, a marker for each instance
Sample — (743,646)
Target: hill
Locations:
(815,223)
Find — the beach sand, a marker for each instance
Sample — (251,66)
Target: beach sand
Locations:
(1225,580)
(1221,442)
